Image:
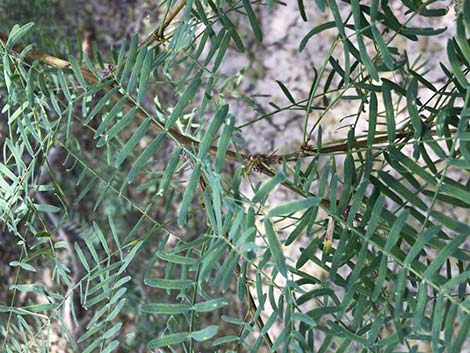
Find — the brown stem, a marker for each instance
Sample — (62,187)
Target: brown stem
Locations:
(158,32)
(308,151)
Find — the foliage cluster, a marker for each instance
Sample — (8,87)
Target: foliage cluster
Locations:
(180,248)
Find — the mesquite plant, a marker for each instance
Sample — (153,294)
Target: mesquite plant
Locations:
(135,218)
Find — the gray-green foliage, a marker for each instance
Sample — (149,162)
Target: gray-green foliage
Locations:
(172,233)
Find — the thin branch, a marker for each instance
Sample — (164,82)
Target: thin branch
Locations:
(159,31)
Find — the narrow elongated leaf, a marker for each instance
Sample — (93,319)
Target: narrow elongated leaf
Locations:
(275,247)
(268,186)
(183,102)
(109,116)
(130,256)
(188,195)
(372,119)
(135,73)
(205,334)
(144,75)
(117,309)
(111,347)
(101,238)
(454,62)
(294,206)
(412,166)
(286,92)
(437,320)
(462,335)
(16,33)
(209,135)
(133,141)
(77,71)
(224,44)
(118,127)
(224,141)
(386,56)
(420,306)
(210,305)
(112,331)
(422,240)
(169,170)
(165,308)
(81,257)
(365,59)
(144,157)
(252,19)
(129,63)
(444,255)
(168,340)
(315,30)
(168,283)
(100,105)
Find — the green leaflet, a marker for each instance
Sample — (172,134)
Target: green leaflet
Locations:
(315,30)
(229,26)
(386,56)
(294,206)
(130,256)
(222,49)
(144,75)
(223,142)
(412,166)
(101,238)
(117,309)
(275,247)
(112,331)
(63,85)
(144,157)
(443,255)
(103,101)
(267,187)
(169,171)
(252,19)
(188,195)
(168,340)
(184,102)
(300,3)
(125,120)
(77,72)
(16,33)
(81,256)
(129,63)
(365,59)
(454,62)
(210,305)
(166,308)
(111,346)
(209,135)
(286,92)
(337,17)
(110,116)
(169,283)
(120,59)
(372,119)
(205,334)
(135,73)
(133,141)
(177,259)
(389,112)
(420,306)
(25,266)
